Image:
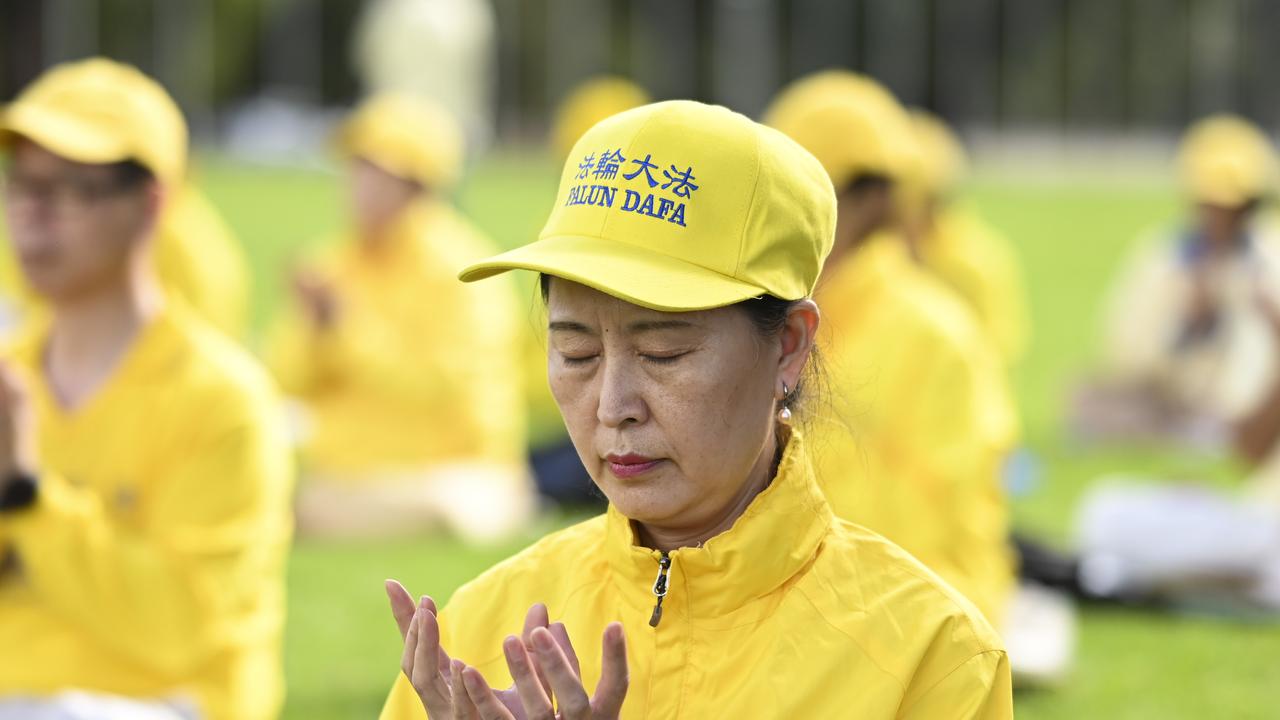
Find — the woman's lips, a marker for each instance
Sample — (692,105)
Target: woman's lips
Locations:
(629,466)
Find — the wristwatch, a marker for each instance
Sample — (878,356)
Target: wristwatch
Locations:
(18,492)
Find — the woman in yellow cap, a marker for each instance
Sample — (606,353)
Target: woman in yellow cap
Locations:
(677,266)
(409,383)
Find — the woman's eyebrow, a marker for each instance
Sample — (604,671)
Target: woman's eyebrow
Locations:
(570,326)
(640,326)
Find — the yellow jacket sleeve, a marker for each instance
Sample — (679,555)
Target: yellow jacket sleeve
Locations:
(188,580)
(979,689)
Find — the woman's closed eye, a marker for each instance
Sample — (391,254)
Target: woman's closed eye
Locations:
(665,357)
(578,360)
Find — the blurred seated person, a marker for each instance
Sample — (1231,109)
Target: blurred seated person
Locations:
(409,383)
(557,469)
(922,418)
(957,245)
(1186,546)
(144,467)
(1186,348)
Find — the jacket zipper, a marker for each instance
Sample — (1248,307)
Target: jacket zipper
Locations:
(660,588)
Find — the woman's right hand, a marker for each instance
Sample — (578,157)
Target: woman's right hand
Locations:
(542,662)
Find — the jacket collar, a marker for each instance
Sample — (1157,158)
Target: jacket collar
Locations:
(777,537)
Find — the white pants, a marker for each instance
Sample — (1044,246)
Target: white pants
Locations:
(1180,543)
(480,503)
(75,705)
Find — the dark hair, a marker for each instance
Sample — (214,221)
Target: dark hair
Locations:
(769,316)
(130,174)
(866,182)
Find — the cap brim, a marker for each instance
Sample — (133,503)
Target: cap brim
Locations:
(61,134)
(634,274)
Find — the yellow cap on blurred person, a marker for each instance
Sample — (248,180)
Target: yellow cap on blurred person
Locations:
(407,136)
(100,111)
(851,123)
(942,158)
(588,104)
(1227,161)
(683,206)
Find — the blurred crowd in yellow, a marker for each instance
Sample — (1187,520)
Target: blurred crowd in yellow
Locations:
(149,497)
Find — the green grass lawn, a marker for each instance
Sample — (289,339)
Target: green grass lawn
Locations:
(343,650)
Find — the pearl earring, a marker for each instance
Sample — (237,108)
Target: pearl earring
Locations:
(784,413)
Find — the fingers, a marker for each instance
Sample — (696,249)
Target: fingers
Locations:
(482,697)
(424,669)
(464,708)
(615,677)
(427,657)
(410,648)
(561,635)
(402,606)
(537,617)
(565,684)
(533,692)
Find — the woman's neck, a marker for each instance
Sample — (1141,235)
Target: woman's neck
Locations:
(762,473)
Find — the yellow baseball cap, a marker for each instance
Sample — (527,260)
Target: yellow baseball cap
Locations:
(851,123)
(1226,160)
(101,111)
(588,104)
(942,161)
(681,206)
(407,136)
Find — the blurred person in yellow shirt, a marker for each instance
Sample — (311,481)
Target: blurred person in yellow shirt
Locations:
(1186,350)
(954,242)
(412,408)
(922,418)
(145,472)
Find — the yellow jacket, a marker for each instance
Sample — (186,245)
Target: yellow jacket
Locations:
(980,264)
(791,613)
(199,259)
(152,564)
(420,369)
(920,423)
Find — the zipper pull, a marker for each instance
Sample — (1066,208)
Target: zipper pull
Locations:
(660,589)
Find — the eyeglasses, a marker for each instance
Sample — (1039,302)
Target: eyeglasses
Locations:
(61,195)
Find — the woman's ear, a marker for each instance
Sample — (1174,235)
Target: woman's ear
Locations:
(798,337)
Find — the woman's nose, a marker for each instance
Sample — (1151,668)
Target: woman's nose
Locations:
(620,401)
